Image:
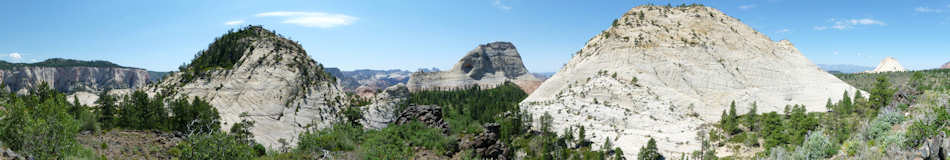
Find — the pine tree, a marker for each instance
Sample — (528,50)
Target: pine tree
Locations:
(750,117)
(881,93)
(107,108)
(649,152)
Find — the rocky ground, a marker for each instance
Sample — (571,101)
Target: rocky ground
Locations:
(125,144)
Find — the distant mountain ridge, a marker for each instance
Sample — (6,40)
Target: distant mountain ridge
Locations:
(69,75)
(368,78)
(844,68)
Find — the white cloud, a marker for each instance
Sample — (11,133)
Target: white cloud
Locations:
(927,10)
(747,7)
(836,52)
(843,24)
(15,56)
(499,5)
(235,22)
(785,30)
(312,19)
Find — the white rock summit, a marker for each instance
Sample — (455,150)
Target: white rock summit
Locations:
(487,65)
(889,64)
(664,72)
(271,78)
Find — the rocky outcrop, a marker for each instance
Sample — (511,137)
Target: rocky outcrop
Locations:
(70,77)
(945,66)
(487,65)
(889,64)
(369,79)
(382,111)
(487,144)
(271,78)
(429,115)
(662,72)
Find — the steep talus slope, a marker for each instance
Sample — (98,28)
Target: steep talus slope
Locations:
(487,65)
(67,75)
(664,72)
(889,64)
(258,72)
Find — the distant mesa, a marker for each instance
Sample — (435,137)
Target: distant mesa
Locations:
(488,65)
(69,75)
(662,72)
(889,64)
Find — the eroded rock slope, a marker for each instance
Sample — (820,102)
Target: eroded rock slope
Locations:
(664,72)
(271,78)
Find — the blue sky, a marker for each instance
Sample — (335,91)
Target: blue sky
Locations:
(390,34)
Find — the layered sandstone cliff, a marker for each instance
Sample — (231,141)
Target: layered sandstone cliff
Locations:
(487,65)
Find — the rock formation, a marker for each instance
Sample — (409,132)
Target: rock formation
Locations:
(945,66)
(663,72)
(69,76)
(429,115)
(271,78)
(889,64)
(382,111)
(487,65)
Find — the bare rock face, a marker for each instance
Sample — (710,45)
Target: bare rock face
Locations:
(487,65)
(269,77)
(946,66)
(889,64)
(382,111)
(664,72)
(69,76)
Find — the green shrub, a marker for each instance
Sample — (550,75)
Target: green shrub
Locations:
(214,146)
(396,142)
(816,146)
(40,125)
(340,137)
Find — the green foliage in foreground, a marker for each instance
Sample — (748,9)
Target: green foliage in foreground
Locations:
(215,146)
(40,125)
(392,142)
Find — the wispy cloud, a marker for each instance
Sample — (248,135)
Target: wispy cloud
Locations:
(15,56)
(835,52)
(747,7)
(498,4)
(844,24)
(928,10)
(235,22)
(784,30)
(312,19)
